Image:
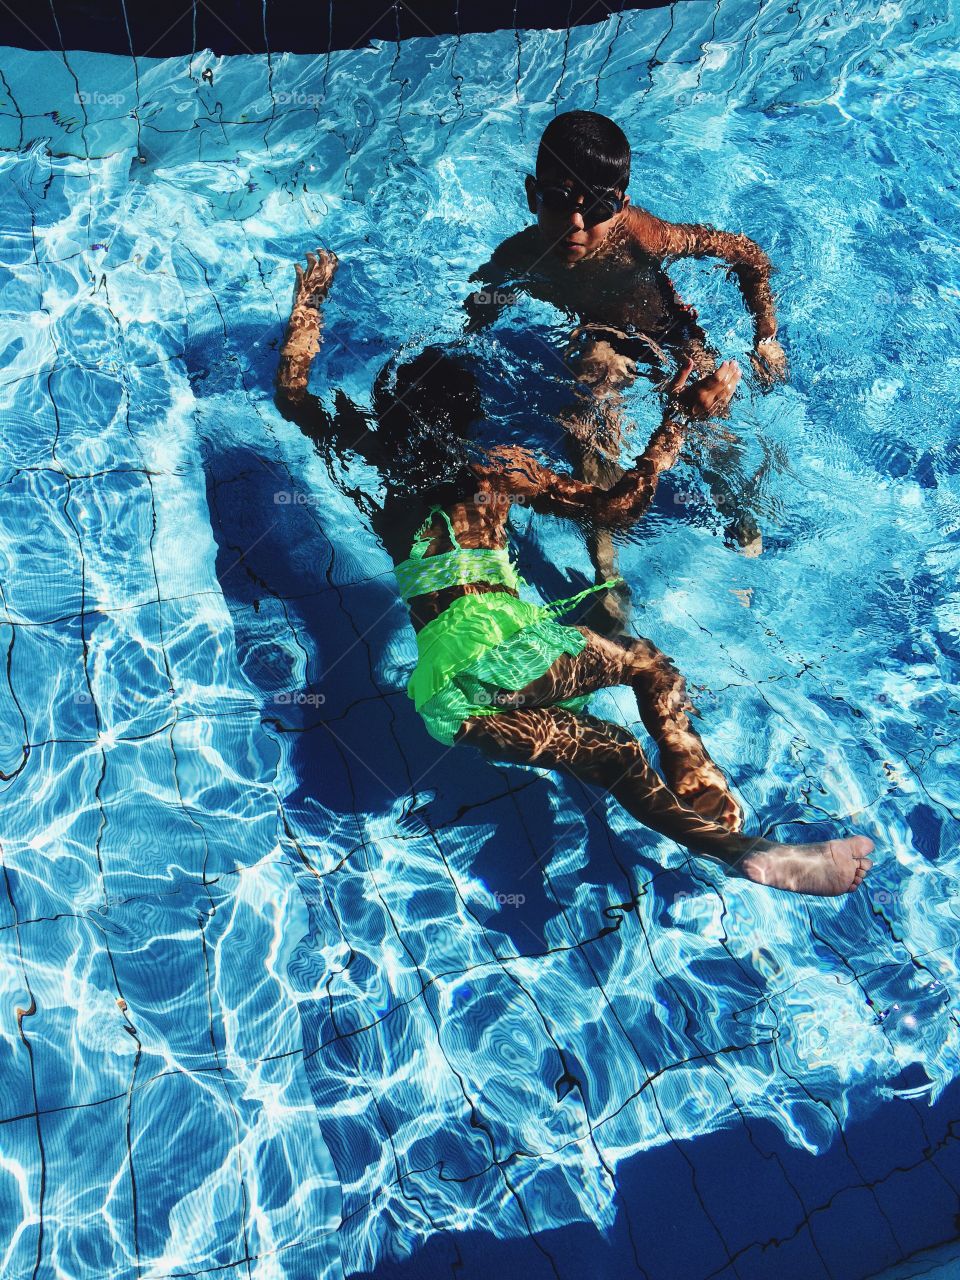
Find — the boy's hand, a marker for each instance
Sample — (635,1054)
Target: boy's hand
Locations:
(313,284)
(710,396)
(769,362)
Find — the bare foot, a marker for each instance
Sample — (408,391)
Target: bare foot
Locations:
(744,534)
(828,869)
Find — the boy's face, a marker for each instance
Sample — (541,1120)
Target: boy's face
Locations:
(578,230)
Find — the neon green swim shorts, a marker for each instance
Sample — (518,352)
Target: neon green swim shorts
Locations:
(480,645)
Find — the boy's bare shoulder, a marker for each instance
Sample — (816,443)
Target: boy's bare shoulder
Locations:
(518,252)
(512,257)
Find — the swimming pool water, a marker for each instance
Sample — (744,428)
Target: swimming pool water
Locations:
(289,990)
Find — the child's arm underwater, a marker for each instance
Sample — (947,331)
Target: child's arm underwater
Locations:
(516,472)
(301,342)
(745,259)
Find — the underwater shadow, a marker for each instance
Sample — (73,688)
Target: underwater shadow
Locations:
(326,645)
(883,1191)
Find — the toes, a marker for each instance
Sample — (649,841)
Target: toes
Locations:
(860,873)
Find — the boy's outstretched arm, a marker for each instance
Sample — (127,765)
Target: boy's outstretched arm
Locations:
(488,299)
(517,472)
(749,264)
(496,282)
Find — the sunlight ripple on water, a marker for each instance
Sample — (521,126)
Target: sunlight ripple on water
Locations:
(258,934)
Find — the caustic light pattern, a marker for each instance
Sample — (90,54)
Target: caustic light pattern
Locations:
(288,990)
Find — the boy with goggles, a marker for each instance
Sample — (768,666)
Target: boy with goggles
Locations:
(592,206)
(593,253)
(585,218)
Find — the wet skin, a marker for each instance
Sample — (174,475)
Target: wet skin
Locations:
(692,803)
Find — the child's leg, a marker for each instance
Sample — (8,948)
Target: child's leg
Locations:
(663,704)
(719,464)
(691,774)
(609,611)
(607,756)
(594,429)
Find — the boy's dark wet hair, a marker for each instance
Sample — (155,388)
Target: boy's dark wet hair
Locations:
(424,421)
(587,147)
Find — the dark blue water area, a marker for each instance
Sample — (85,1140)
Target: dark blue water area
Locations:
(741,1205)
(166,29)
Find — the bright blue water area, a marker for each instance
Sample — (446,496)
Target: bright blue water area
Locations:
(289,990)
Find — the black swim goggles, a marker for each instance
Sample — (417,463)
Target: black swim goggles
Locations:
(598,206)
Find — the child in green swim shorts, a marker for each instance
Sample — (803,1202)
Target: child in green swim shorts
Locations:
(500,673)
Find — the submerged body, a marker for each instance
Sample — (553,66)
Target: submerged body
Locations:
(603,262)
(502,673)
(622,284)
